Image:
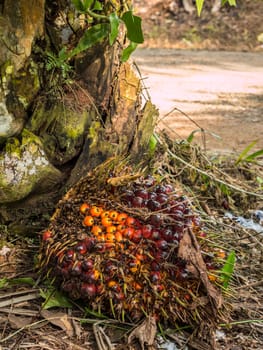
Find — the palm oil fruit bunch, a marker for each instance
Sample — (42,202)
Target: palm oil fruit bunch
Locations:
(116,248)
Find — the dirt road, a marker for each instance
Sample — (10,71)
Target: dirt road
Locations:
(222,92)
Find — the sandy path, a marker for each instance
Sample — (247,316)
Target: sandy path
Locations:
(221,91)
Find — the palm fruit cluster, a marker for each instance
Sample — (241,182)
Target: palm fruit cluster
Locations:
(115,245)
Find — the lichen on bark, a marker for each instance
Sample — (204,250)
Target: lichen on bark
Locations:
(24,167)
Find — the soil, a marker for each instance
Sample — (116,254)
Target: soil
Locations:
(209,68)
(215,94)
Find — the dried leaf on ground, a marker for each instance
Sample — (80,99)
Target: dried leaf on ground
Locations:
(59,319)
(145,333)
(18,322)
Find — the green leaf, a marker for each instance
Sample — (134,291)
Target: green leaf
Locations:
(53,298)
(128,51)
(93,313)
(152,143)
(134,28)
(97,6)
(191,136)
(78,5)
(231,2)
(63,55)
(199,6)
(244,153)
(22,280)
(91,37)
(82,6)
(254,155)
(3,282)
(227,269)
(114,27)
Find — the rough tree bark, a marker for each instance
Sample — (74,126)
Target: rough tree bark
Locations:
(57,123)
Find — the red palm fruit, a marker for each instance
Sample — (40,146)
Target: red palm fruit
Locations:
(127,196)
(137,286)
(118,236)
(176,214)
(109,245)
(84,208)
(156,234)
(110,237)
(100,288)
(121,218)
(46,235)
(101,238)
(147,231)
(70,255)
(88,221)
(167,234)
(87,264)
(96,211)
(141,193)
(119,296)
(110,268)
(152,196)
(111,229)
(155,277)
(130,221)
(161,244)
(90,243)
(178,227)
(105,214)
(128,233)
(201,234)
(106,221)
(91,275)
(134,265)
(149,181)
(168,188)
(114,285)
(121,228)
(65,271)
(158,287)
(67,286)
(160,189)
(196,221)
(153,205)
(161,255)
(76,268)
(162,198)
(100,247)
(187,297)
(81,248)
(221,254)
(137,235)
(88,290)
(212,277)
(137,202)
(156,220)
(96,230)
(155,266)
(113,214)
(139,256)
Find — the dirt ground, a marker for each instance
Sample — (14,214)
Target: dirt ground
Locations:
(215,91)
(213,75)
